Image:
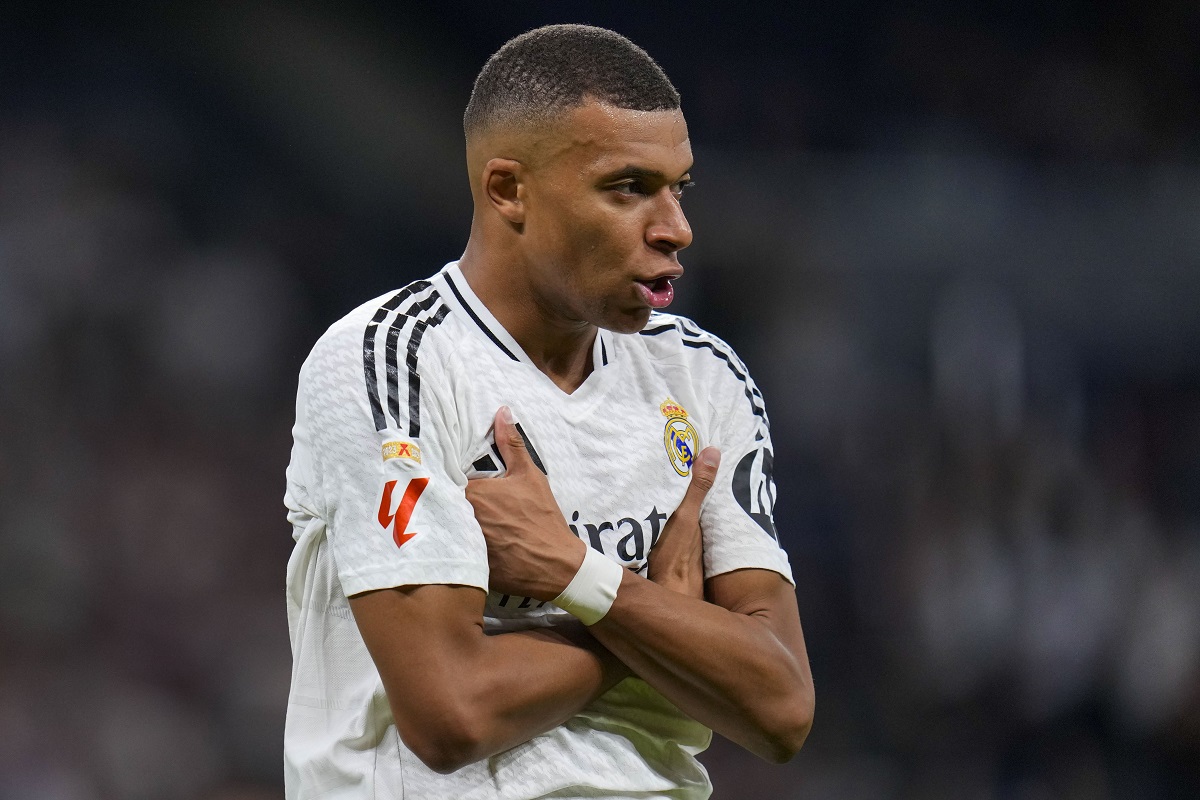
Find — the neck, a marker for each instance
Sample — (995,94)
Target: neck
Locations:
(559,348)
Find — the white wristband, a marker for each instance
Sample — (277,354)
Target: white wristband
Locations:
(591,593)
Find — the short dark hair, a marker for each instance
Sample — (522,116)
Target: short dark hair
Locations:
(551,69)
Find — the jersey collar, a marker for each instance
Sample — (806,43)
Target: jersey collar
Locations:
(460,294)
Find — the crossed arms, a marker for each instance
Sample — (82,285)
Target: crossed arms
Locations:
(736,663)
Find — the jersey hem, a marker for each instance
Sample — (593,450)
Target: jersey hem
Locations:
(784,571)
(418,573)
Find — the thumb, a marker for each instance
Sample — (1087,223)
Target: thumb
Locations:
(704,475)
(511,443)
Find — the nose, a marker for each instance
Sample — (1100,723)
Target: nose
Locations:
(669,231)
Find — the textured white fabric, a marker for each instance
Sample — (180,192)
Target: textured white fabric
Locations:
(616,454)
(593,590)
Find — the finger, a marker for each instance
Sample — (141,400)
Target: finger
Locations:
(511,443)
(704,475)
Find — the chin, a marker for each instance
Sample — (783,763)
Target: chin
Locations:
(629,322)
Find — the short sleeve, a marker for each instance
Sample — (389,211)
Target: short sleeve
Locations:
(393,503)
(737,517)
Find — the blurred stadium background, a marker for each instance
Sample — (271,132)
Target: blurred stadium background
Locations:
(958,243)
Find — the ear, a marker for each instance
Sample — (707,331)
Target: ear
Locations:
(502,187)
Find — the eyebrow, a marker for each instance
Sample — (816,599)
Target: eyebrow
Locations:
(632,171)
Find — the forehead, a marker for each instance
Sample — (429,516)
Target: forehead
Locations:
(598,137)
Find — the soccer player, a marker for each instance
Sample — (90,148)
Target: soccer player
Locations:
(535,553)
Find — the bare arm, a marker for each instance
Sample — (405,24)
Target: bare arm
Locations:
(737,664)
(459,695)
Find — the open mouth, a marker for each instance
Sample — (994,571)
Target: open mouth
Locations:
(657,293)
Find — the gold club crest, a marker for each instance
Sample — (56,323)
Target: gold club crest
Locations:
(679,437)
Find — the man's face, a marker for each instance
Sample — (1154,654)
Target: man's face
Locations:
(603,222)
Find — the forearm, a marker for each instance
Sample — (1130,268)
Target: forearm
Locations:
(525,683)
(738,672)
(458,695)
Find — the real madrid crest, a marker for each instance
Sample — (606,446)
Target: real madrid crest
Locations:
(679,437)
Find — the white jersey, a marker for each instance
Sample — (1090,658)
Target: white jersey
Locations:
(394,415)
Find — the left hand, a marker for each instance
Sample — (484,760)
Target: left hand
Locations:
(531,551)
(677,559)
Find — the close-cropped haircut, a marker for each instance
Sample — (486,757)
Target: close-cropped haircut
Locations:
(558,67)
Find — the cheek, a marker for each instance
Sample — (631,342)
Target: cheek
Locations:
(589,248)
(611,235)
(570,233)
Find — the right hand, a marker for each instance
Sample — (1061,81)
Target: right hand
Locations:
(677,559)
(531,551)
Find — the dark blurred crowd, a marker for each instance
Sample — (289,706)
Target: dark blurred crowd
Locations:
(956,246)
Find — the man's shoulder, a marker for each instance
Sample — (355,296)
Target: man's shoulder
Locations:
(407,301)
(660,323)
(380,357)
(385,327)
(673,340)
(674,336)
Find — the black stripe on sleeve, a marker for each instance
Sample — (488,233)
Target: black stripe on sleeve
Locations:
(485,464)
(414,378)
(727,355)
(691,336)
(603,353)
(369,347)
(471,313)
(758,410)
(533,453)
(393,366)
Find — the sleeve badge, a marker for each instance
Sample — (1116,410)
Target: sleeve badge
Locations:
(408,450)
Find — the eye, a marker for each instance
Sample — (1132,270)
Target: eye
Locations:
(678,188)
(629,188)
